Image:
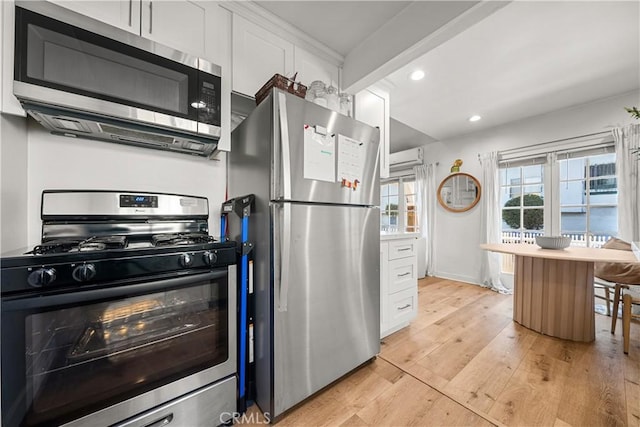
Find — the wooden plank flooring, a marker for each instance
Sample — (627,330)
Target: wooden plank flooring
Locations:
(465,362)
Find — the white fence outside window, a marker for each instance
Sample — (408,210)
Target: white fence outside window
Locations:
(529,237)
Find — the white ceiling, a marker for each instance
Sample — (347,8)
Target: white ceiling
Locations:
(525,59)
(340,25)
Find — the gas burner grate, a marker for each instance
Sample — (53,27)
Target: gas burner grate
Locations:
(178,239)
(103,242)
(55,247)
(96,243)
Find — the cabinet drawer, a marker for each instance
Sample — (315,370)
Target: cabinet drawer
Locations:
(403,306)
(402,248)
(208,406)
(402,274)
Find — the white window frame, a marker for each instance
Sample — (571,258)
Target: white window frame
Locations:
(588,205)
(545,190)
(547,154)
(552,180)
(402,204)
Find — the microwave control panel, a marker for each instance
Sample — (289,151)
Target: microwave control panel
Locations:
(209,102)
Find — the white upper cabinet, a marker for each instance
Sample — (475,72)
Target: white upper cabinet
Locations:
(124,14)
(310,67)
(181,24)
(257,55)
(372,107)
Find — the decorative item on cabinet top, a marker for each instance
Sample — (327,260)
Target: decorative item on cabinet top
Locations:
(281,82)
(318,92)
(327,95)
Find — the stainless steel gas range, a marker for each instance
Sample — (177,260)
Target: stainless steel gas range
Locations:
(124,314)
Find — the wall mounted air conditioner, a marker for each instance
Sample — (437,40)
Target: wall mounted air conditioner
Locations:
(406,159)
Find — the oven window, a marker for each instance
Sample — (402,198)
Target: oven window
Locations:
(83,358)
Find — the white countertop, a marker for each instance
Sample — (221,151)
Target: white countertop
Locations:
(388,235)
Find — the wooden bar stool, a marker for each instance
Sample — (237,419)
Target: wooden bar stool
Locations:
(616,303)
(618,276)
(627,314)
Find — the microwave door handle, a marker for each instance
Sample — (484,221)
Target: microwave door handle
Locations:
(130,12)
(86,297)
(284,140)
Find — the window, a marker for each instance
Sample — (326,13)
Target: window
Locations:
(389,206)
(398,210)
(522,201)
(589,199)
(576,196)
(410,216)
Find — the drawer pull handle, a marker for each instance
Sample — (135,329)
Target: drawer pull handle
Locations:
(404,306)
(404,274)
(404,249)
(161,422)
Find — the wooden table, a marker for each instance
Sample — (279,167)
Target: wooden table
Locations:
(553,288)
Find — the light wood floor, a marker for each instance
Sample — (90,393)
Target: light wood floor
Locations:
(464,361)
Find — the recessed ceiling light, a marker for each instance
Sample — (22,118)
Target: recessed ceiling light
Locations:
(417,75)
(474,118)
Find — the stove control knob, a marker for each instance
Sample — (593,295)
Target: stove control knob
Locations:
(42,277)
(209,258)
(84,272)
(186,260)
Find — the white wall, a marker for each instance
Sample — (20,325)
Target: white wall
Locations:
(13,182)
(55,162)
(457,235)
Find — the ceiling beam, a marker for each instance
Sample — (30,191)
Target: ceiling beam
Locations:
(417,29)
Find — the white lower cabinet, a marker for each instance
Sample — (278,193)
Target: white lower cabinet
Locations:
(398,282)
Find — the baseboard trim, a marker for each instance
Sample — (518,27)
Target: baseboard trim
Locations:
(457,277)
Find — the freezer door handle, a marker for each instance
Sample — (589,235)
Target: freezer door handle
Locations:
(285,252)
(286,152)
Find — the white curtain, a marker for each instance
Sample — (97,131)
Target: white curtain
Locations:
(490,225)
(627,140)
(426,204)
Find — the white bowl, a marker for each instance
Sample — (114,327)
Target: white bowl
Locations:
(553,242)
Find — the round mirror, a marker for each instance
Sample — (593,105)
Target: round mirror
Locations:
(459,192)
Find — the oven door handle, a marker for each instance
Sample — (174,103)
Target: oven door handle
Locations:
(35,302)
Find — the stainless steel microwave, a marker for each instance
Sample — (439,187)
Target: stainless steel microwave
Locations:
(80,77)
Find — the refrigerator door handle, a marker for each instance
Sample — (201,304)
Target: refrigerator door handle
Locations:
(284,140)
(285,261)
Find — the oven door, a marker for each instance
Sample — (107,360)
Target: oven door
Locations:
(103,355)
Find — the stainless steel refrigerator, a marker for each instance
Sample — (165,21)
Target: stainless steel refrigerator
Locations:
(316,230)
